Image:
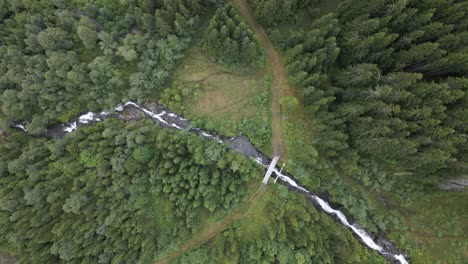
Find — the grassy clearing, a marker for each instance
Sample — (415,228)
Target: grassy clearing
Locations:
(298,134)
(226,94)
(437,228)
(231,100)
(222,90)
(253,225)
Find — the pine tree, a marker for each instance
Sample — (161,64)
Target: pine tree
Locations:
(229,40)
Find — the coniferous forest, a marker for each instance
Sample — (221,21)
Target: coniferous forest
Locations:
(365,103)
(59,58)
(229,39)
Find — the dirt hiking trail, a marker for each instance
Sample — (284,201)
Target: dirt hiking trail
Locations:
(243,211)
(280,80)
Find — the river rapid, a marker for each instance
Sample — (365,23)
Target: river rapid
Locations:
(241,144)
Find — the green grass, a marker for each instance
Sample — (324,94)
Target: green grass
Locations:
(298,135)
(260,218)
(437,228)
(164,218)
(230,101)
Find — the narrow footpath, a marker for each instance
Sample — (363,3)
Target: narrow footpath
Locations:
(280,81)
(211,231)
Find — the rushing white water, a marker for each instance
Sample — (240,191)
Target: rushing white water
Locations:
(361,233)
(153,115)
(90,116)
(174,115)
(20,126)
(207,135)
(83,119)
(176,126)
(401,258)
(119,108)
(366,239)
(93,117)
(70,127)
(290,181)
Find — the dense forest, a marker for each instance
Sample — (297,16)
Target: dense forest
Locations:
(98,195)
(378,88)
(272,12)
(387,85)
(60,57)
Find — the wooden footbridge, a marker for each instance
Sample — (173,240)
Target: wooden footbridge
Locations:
(270,169)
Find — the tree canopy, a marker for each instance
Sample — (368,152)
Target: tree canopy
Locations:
(58,58)
(230,40)
(112,193)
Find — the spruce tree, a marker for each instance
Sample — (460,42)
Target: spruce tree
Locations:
(229,40)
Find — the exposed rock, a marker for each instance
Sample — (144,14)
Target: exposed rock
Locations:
(243,145)
(454,184)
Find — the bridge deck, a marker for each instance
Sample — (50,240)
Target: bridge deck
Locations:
(270,169)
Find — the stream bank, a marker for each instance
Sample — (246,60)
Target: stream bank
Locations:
(241,144)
